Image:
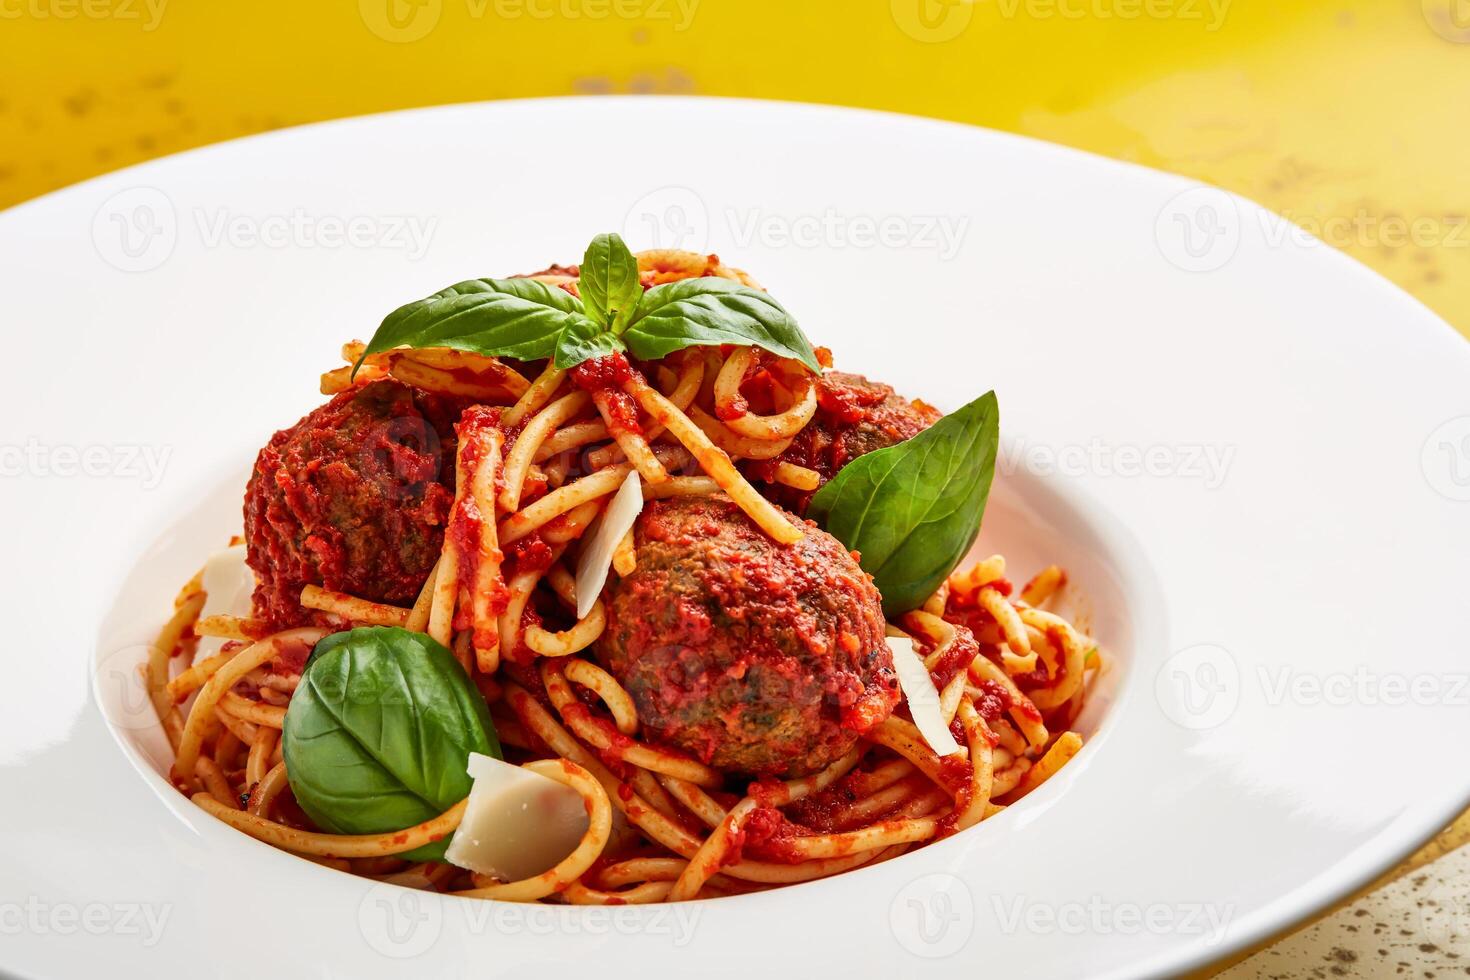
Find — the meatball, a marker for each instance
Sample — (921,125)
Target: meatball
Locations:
(354,498)
(854,416)
(754,657)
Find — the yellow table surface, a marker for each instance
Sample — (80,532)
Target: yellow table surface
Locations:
(1347,116)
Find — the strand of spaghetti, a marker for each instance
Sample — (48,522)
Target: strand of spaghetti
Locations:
(518,594)
(949,698)
(264,793)
(1043,585)
(796,477)
(632,443)
(192,678)
(523,450)
(242,663)
(1023,713)
(352,608)
(446,581)
(714,462)
(451,359)
(982,765)
(940,633)
(340,379)
(1073,653)
(644,894)
(885,774)
(480,443)
(1060,753)
(579,636)
(599,734)
(587,851)
(619,703)
(681,486)
(231,628)
(420,375)
(310,842)
(226,748)
(162,651)
(795,789)
(977,576)
(254,712)
(535,397)
(937,600)
(591,487)
(868,808)
(418,616)
(884,833)
(625,555)
(216,787)
(1005,615)
(903,737)
(732,409)
(1008,777)
(573,436)
(686,387)
(635,870)
(694,799)
(243,730)
(713,854)
(257,763)
(733,443)
(572,524)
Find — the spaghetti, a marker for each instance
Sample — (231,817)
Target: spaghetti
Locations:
(538,456)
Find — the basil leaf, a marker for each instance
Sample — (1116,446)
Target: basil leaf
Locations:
(710,311)
(913,510)
(379,731)
(581,340)
(519,318)
(610,286)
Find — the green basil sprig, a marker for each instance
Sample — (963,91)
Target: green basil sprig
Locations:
(531,321)
(912,510)
(379,732)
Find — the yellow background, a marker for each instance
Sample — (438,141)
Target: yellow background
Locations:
(1346,115)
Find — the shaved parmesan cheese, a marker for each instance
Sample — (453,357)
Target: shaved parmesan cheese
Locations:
(923,699)
(518,823)
(228,584)
(597,554)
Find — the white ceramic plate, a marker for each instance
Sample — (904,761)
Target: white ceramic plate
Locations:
(1253,454)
